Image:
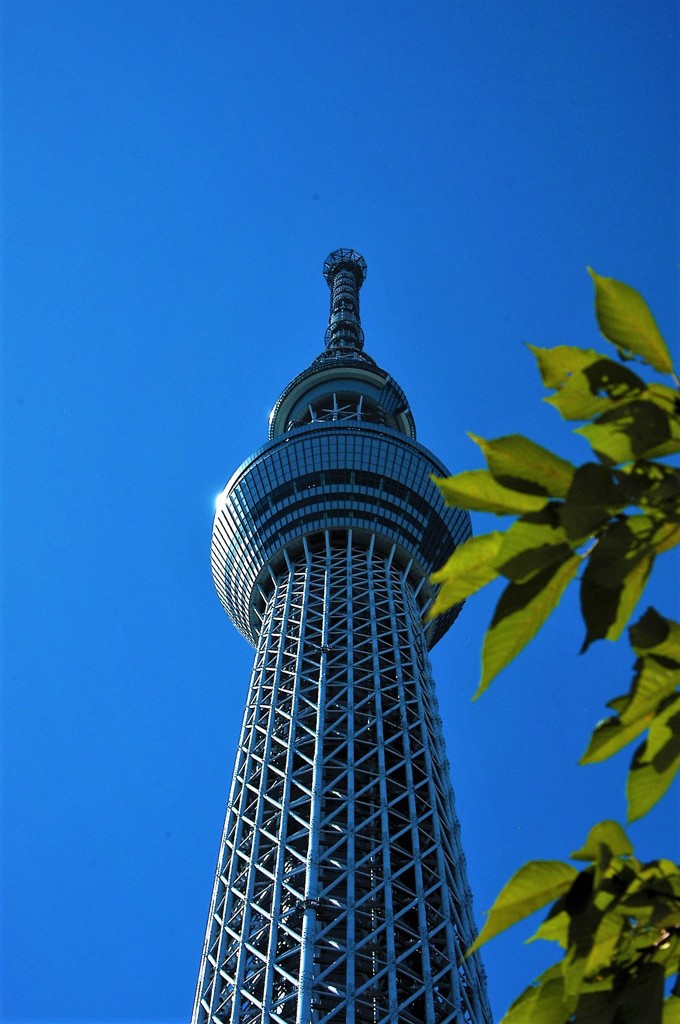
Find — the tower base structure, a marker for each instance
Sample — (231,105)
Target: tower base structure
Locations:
(341,892)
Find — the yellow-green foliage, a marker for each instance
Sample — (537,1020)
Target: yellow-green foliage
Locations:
(606,521)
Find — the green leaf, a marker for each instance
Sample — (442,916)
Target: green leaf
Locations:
(579,897)
(626,320)
(596,1007)
(667,955)
(671,1010)
(654,681)
(586,382)
(529,889)
(576,401)
(655,634)
(654,904)
(470,567)
(555,928)
(583,932)
(595,389)
(520,613)
(606,610)
(532,543)
(633,585)
(666,724)
(607,834)
(668,536)
(605,942)
(557,365)
(663,396)
(477,489)
(541,1003)
(520,464)
(593,498)
(617,704)
(640,999)
(651,485)
(634,430)
(615,575)
(656,762)
(611,735)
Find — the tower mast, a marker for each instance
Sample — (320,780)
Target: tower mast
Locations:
(340,892)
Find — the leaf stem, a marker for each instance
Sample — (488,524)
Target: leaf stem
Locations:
(586,554)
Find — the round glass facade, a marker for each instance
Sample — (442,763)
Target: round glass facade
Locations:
(341,476)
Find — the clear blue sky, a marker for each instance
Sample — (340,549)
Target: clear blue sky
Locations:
(175,174)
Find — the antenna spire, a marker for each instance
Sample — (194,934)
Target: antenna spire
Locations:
(345,272)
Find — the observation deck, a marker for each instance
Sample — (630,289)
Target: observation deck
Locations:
(341,456)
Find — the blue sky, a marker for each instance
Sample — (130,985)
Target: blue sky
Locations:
(174,175)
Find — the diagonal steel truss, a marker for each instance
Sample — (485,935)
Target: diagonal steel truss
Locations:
(341,892)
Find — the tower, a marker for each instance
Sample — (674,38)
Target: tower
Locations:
(340,892)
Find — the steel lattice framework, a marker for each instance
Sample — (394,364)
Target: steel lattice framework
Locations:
(341,891)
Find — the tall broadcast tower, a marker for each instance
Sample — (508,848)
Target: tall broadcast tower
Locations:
(340,892)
